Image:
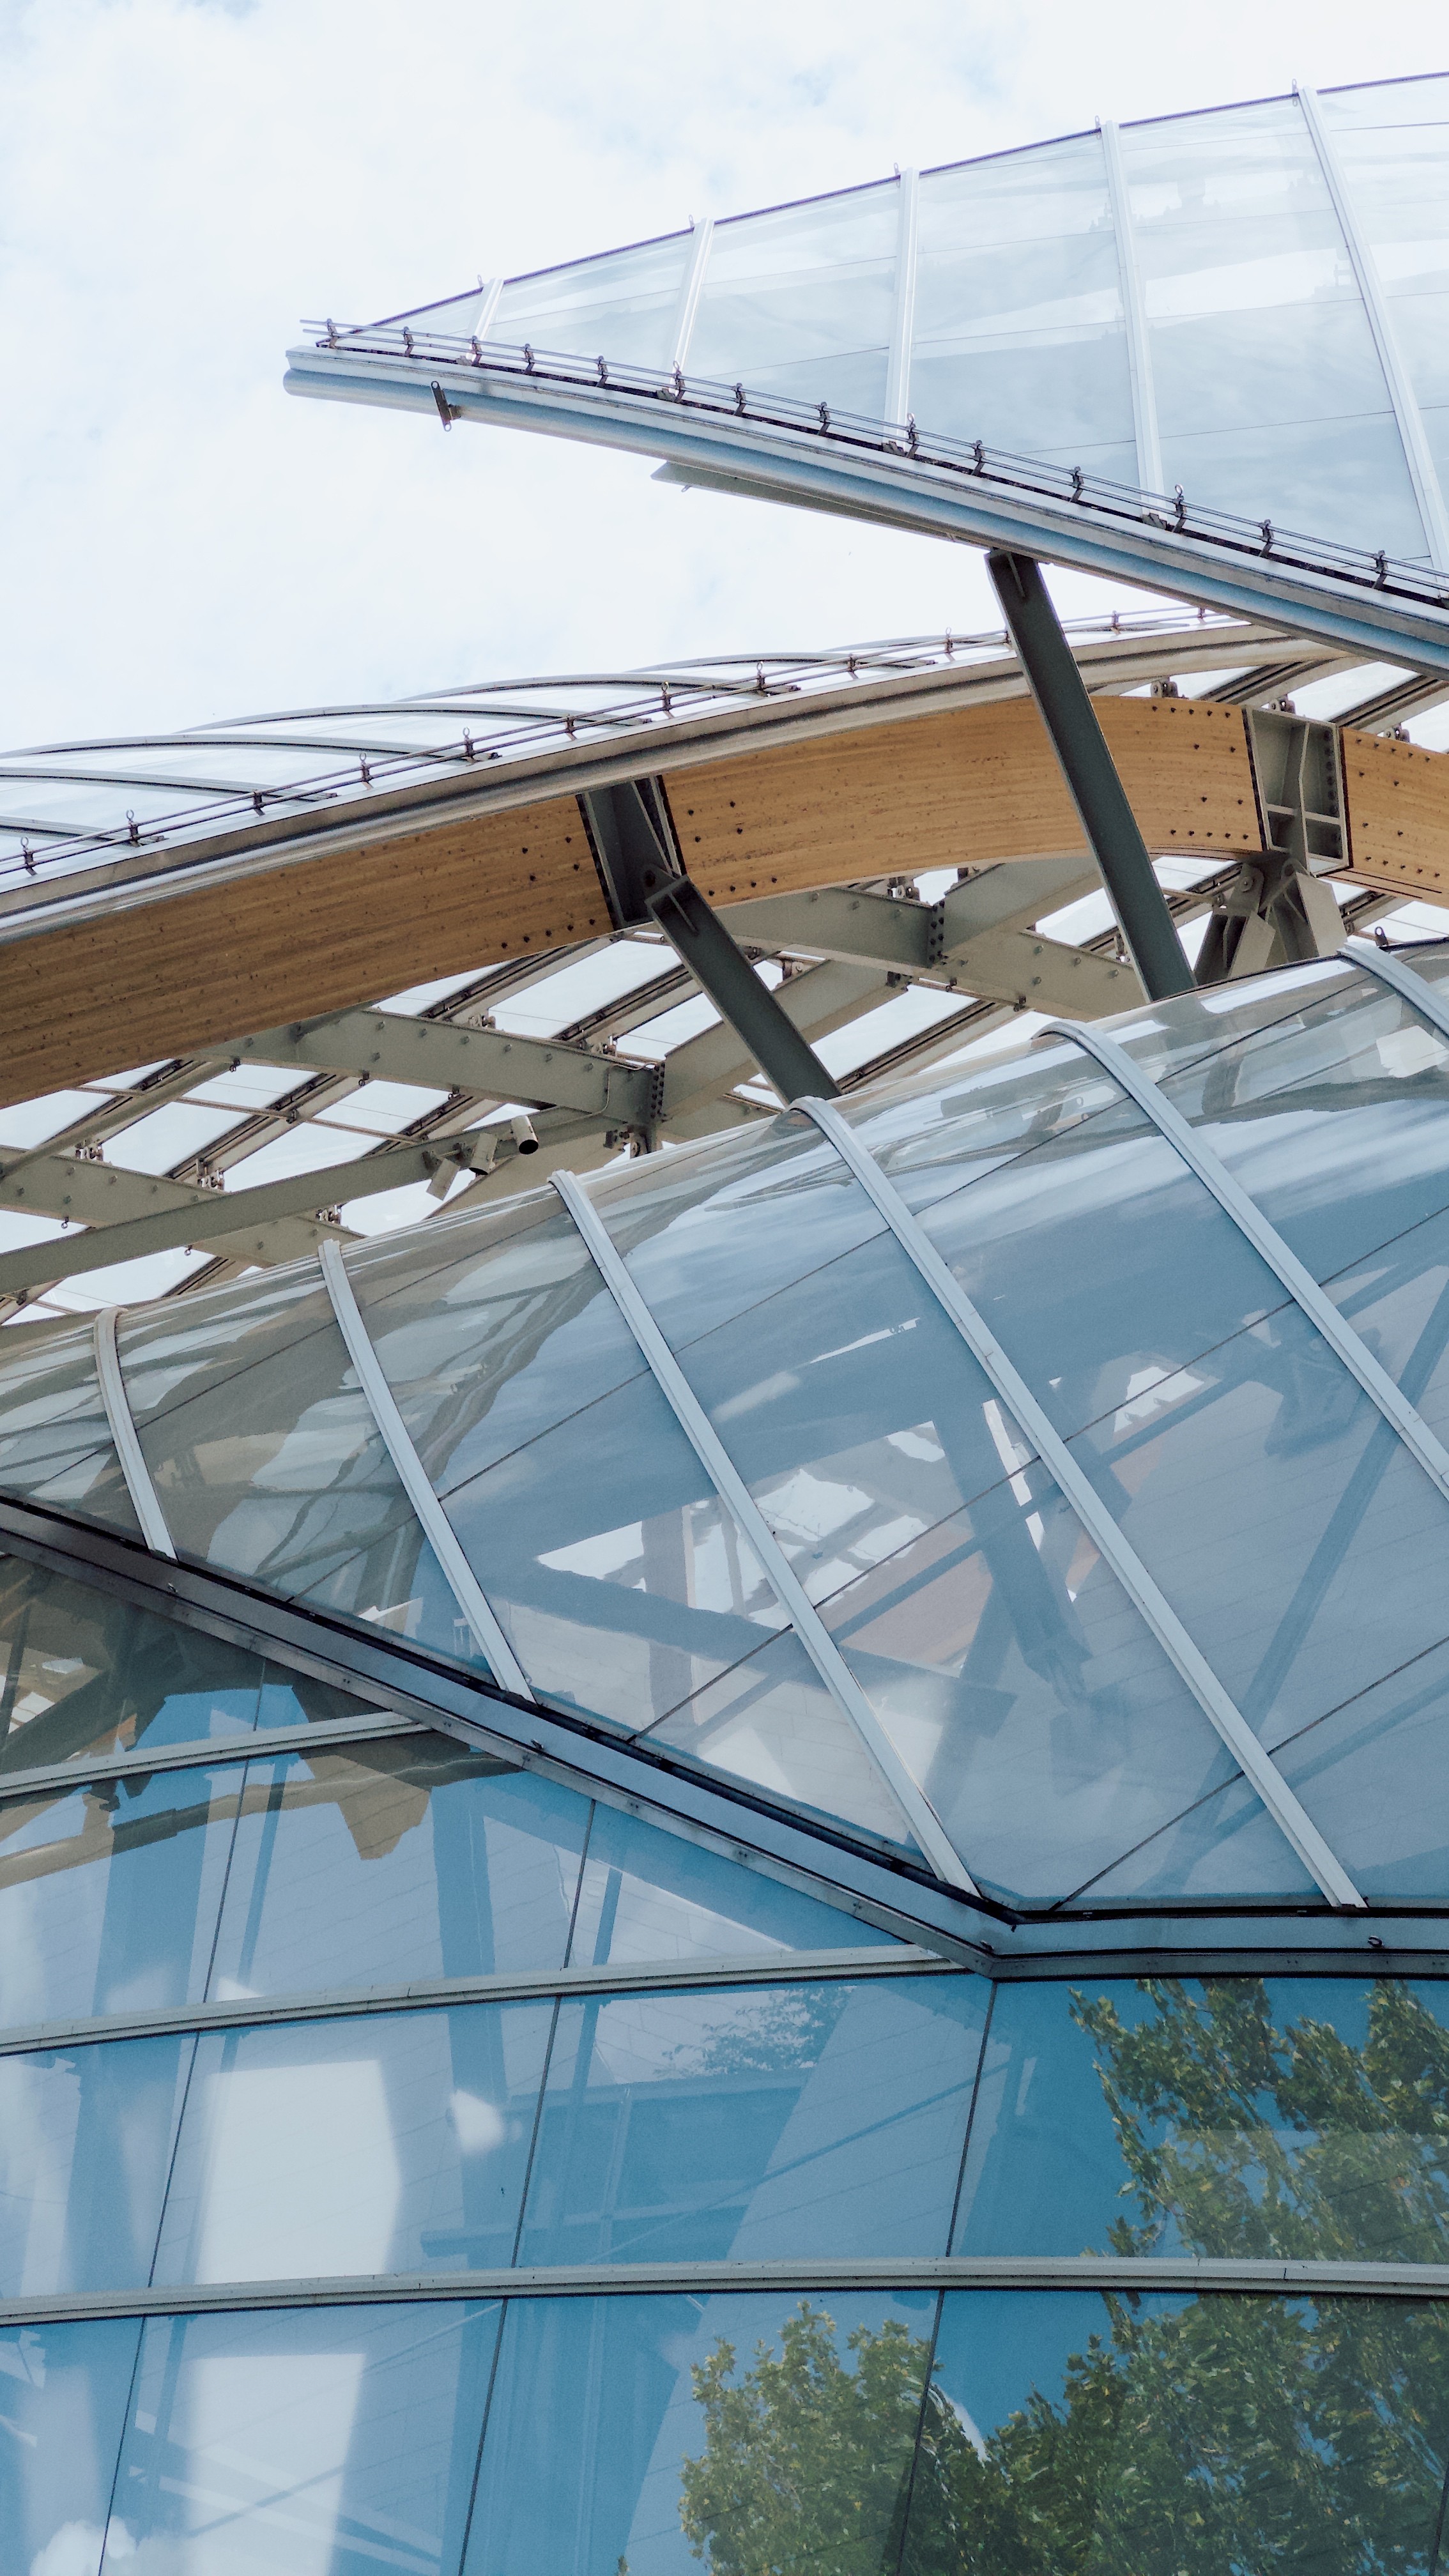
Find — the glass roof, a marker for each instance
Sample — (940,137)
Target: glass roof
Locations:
(1020,1687)
(1247,305)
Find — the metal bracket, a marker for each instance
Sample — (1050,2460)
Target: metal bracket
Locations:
(1276,911)
(633,841)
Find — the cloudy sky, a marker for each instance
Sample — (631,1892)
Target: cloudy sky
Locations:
(184,179)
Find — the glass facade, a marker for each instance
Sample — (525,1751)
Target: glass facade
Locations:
(413,2155)
(1247,303)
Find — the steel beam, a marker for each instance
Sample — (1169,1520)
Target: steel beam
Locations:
(237,1221)
(94,1194)
(392,1047)
(694,930)
(826,998)
(935,942)
(1091,776)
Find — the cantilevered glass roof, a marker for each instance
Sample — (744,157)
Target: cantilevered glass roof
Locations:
(1049,1592)
(1242,311)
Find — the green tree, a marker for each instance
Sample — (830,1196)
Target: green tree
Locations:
(1232,2436)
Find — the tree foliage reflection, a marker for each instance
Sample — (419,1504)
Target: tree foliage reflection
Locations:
(1212,2436)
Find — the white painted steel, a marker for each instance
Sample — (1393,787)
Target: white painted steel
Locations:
(1418,455)
(397,1440)
(1257,1765)
(144,1497)
(1134,310)
(898,370)
(1427,999)
(690,291)
(1268,1243)
(730,1485)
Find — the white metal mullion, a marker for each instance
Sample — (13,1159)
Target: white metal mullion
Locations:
(690,291)
(730,1485)
(1268,1243)
(1134,309)
(489,307)
(1104,1531)
(397,1440)
(1427,999)
(144,1497)
(1417,454)
(903,324)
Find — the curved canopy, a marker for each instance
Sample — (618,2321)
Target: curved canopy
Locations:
(1246,306)
(1037,1592)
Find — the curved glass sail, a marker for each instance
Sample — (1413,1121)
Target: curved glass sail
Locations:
(858,1586)
(1247,305)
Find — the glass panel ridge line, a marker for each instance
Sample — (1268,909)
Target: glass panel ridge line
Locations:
(1266,1241)
(144,1497)
(1134,314)
(1221,1711)
(1407,415)
(1424,998)
(730,1485)
(397,1440)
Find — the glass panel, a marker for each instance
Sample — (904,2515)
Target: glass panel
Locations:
(801,301)
(609,1560)
(1392,143)
(933,1135)
(1019,337)
(853,1410)
(998,1651)
(109,1893)
(268,1462)
(55,1441)
(510,1334)
(392,1861)
(621,306)
(759,2432)
(312,2441)
(648,1895)
(1261,353)
(770,2122)
(1067,2431)
(707,1234)
(1362,1771)
(1159,1272)
(1301,2117)
(64,2391)
(1171,1036)
(1244,1489)
(396,2142)
(85,2148)
(85,1673)
(771,1721)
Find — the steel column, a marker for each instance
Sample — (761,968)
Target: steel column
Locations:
(1091,775)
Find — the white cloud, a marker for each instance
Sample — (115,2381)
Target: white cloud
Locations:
(184,180)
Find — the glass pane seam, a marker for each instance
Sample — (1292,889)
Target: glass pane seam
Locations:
(1418,455)
(397,1440)
(144,1497)
(1139,344)
(1153,1607)
(441,1994)
(814,1636)
(1190,2273)
(1266,1241)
